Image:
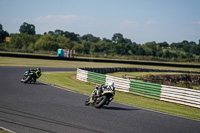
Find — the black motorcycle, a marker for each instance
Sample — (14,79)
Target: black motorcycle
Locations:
(104,98)
(28,76)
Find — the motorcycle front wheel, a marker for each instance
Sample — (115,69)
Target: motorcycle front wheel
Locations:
(26,79)
(87,101)
(101,102)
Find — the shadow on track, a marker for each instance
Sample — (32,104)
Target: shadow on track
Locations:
(37,83)
(119,108)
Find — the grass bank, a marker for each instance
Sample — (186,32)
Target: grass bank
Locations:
(138,75)
(163,78)
(109,57)
(67,80)
(11,61)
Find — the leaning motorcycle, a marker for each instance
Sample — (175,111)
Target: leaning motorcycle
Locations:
(104,98)
(28,77)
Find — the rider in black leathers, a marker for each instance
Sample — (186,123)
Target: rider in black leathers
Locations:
(36,73)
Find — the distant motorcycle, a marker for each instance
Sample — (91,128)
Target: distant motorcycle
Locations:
(31,75)
(101,96)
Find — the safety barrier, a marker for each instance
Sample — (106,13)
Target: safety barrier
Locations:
(96,78)
(180,95)
(145,89)
(82,75)
(173,94)
(120,83)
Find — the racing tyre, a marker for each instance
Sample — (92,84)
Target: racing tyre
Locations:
(101,101)
(87,101)
(26,79)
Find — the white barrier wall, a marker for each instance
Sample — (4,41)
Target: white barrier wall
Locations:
(166,93)
(120,83)
(180,95)
(82,75)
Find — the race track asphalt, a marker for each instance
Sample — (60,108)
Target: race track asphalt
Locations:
(41,108)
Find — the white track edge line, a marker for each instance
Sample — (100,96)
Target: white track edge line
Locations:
(8,130)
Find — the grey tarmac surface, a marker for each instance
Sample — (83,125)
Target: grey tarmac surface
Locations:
(41,108)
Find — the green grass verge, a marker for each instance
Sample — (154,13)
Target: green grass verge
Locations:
(67,80)
(116,57)
(3,131)
(11,61)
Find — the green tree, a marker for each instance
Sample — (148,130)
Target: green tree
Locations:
(62,41)
(23,41)
(122,49)
(186,46)
(78,48)
(90,38)
(28,40)
(163,44)
(106,40)
(72,36)
(140,50)
(1,27)
(166,54)
(27,28)
(176,45)
(94,48)
(16,41)
(104,47)
(47,43)
(86,47)
(59,32)
(51,33)
(150,48)
(65,43)
(118,38)
(133,49)
(195,50)
(3,34)
(128,41)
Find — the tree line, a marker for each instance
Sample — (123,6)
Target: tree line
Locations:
(88,44)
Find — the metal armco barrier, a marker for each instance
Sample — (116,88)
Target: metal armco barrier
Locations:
(172,94)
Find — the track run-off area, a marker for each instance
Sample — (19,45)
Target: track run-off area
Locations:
(41,108)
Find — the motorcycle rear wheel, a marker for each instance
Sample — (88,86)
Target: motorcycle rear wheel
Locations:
(99,104)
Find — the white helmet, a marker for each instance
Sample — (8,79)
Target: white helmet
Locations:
(111,85)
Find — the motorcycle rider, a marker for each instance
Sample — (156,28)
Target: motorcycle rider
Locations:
(36,73)
(101,95)
(100,88)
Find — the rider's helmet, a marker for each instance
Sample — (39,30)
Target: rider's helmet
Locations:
(38,69)
(111,85)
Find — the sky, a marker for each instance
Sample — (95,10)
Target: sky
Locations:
(139,20)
